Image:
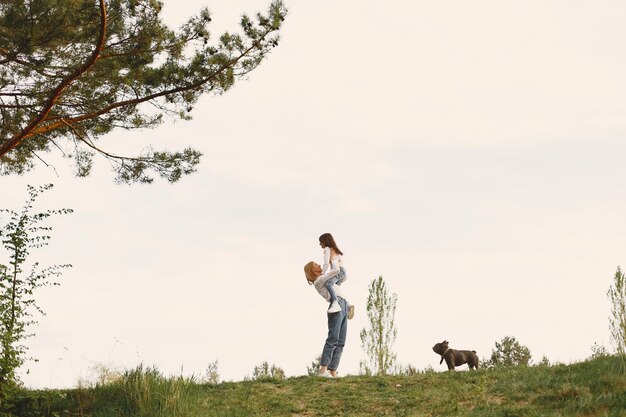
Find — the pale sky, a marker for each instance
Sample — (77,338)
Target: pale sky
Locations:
(471,153)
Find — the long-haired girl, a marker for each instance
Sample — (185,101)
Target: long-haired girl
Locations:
(333,259)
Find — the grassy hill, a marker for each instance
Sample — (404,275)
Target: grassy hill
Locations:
(592,388)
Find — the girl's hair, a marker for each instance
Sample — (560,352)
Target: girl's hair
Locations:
(327,241)
(308,272)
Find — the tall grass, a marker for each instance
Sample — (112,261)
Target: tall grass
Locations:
(145,392)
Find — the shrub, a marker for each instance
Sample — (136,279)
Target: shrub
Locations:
(509,352)
(265,371)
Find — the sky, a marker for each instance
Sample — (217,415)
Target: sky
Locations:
(471,153)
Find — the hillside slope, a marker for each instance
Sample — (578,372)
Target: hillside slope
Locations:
(592,388)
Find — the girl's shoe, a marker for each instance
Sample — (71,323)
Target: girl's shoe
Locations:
(350,311)
(334,307)
(326,375)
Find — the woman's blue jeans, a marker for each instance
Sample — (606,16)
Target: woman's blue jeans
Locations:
(336,340)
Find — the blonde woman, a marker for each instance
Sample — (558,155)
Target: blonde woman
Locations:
(337,322)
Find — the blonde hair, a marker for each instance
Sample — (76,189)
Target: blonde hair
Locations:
(308,272)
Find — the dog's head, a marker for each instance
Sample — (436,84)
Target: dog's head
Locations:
(440,348)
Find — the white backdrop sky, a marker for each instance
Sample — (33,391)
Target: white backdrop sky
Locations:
(472,153)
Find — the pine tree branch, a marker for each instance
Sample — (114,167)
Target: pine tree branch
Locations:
(56,93)
(139,100)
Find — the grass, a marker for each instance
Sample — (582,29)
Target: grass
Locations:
(595,387)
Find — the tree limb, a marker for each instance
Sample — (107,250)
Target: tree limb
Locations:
(138,100)
(54,96)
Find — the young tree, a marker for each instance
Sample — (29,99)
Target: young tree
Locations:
(19,235)
(71,71)
(314,369)
(617,321)
(598,351)
(509,352)
(378,340)
(211,375)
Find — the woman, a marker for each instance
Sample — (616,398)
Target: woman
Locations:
(337,322)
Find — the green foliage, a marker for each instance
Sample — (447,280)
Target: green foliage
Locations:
(22,232)
(314,369)
(509,352)
(72,71)
(378,339)
(590,388)
(617,320)
(598,351)
(211,375)
(544,361)
(48,403)
(101,374)
(409,370)
(265,371)
(145,392)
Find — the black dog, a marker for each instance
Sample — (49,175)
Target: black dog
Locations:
(456,357)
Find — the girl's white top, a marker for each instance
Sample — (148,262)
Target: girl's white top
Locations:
(335,262)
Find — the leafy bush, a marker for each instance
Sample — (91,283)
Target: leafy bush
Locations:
(265,371)
(211,375)
(509,352)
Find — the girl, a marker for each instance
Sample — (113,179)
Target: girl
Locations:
(333,258)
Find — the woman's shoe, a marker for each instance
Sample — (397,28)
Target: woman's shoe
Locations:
(334,307)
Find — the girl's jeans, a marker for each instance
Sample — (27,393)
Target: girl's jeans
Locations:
(336,340)
(337,279)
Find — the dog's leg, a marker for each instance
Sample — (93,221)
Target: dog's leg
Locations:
(450,363)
